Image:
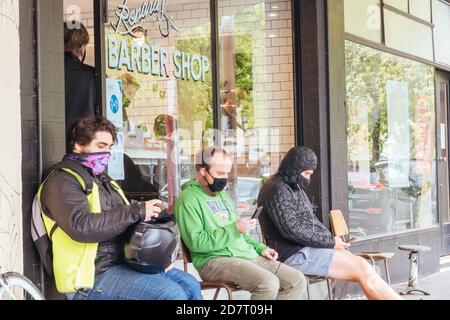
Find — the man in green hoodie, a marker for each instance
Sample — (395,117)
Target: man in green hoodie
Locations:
(217,239)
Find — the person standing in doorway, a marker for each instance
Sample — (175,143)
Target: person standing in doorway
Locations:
(80,95)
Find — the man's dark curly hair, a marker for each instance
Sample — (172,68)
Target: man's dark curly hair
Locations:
(84,129)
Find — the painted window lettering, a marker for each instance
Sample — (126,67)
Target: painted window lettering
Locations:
(146,59)
(129,20)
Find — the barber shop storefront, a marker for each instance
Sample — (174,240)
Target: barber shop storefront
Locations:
(179,75)
(364,83)
(175,76)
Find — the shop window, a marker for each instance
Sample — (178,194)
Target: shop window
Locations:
(391,142)
(159,92)
(363,19)
(420,9)
(256,91)
(408,36)
(159,77)
(441,20)
(402,30)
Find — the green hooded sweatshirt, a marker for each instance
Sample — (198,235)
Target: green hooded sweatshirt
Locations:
(207,226)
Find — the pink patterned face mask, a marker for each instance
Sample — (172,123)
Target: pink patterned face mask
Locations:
(97,161)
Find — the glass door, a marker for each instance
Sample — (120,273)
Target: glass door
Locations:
(442,88)
(159,92)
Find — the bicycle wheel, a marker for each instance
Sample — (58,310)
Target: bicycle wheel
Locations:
(18,287)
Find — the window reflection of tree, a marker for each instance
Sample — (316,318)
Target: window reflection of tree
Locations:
(367,73)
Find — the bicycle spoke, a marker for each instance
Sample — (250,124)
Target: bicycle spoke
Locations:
(14,286)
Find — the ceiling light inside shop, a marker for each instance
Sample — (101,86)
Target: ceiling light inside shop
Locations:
(140,37)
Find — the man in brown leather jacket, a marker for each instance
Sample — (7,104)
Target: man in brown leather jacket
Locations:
(64,201)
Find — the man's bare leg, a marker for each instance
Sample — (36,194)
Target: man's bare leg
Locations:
(349,267)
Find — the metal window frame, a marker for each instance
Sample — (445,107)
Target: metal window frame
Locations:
(100,18)
(215,59)
(297,66)
(409,15)
(382,45)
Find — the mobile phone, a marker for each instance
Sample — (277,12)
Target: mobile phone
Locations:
(257,212)
(351,239)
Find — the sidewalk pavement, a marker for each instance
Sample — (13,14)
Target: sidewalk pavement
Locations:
(437,284)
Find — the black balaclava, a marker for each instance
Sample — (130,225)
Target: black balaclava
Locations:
(297,160)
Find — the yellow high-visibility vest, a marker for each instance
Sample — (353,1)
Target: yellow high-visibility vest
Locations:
(74,262)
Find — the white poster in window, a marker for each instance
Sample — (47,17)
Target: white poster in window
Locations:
(397,146)
(358,142)
(443,136)
(114,107)
(116,164)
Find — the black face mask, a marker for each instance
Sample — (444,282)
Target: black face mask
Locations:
(218,185)
(303,182)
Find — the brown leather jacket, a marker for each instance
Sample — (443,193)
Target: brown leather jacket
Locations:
(64,200)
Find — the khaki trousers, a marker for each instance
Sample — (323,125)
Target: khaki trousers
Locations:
(263,278)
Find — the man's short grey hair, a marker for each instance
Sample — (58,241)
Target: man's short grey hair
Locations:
(203,159)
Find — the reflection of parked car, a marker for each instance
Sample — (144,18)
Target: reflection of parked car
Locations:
(247,192)
(373,209)
(389,202)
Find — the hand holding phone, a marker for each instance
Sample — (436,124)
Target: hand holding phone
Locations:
(340,244)
(257,212)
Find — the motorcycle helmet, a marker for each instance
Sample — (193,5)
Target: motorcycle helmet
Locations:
(152,246)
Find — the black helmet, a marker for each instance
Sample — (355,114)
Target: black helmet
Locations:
(151,246)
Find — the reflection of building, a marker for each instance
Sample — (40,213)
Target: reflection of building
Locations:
(292,65)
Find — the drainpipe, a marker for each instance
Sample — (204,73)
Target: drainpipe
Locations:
(38,86)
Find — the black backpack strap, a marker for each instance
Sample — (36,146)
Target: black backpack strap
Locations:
(79,169)
(52,231)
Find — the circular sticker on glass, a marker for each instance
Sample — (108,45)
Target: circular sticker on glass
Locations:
(114,104)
